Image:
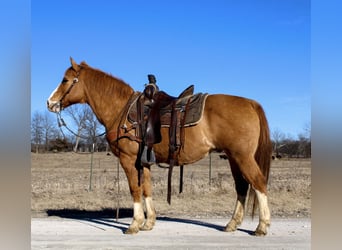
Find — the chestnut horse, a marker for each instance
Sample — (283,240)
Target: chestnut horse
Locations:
(235,125)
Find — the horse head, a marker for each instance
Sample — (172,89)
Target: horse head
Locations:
(69,91)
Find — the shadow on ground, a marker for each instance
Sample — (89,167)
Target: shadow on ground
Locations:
(104,217)
(107,217)
(95,214)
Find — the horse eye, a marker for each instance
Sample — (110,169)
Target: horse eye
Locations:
(64,80)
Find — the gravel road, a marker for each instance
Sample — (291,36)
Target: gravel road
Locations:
(168,233)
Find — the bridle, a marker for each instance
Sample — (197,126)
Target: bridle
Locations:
(114,134)
(74,81)
(60,120)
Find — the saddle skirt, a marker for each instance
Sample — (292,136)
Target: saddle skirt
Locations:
(191,107)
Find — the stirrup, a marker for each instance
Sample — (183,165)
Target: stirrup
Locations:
(148,156)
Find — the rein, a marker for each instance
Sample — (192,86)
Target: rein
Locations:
(62,123)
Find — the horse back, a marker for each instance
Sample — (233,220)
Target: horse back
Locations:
(228,123)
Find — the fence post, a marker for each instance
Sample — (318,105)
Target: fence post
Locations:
(210,169)
(91,166)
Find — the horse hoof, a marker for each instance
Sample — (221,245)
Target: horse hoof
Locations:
(146,228)
(230,228)
(131,230)
(260,232)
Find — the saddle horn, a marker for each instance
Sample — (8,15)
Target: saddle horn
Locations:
(151,78)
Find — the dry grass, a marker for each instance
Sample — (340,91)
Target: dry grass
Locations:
(61,181)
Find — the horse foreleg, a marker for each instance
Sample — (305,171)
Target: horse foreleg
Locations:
(138,218)
(136,192)
(147,192)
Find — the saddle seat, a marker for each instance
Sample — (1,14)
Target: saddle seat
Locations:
(192,106)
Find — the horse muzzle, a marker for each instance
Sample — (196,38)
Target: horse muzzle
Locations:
(54,106)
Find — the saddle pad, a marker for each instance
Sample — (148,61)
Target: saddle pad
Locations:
(193,114)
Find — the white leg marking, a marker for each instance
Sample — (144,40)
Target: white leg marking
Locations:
(265,215)
(138,211)
(149,206)
(138,218)
(237,215)
(239,209)
(150,214)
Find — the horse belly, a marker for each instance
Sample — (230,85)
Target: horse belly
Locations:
(195,146)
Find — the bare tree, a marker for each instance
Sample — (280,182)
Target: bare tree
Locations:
(290,147)
(304,147)
(307,131)
(87,125)
(37,132)
(278,138)
(92,128)
(78,115)
(49,128)
(43,129)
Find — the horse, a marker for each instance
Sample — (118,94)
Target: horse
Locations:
(234,125)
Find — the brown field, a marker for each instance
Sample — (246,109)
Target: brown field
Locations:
(61,181)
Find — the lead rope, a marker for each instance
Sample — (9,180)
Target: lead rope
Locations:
(62,123)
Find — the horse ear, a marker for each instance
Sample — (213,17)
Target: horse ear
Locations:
(74,64)
(84,64)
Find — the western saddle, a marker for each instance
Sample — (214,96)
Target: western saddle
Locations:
(154,109)
(156,101)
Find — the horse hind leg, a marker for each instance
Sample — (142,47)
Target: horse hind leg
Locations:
(253,175)
(241,187)
(264,214)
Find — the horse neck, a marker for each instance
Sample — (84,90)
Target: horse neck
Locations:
(107,96)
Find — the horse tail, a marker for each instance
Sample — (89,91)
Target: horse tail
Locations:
(263,153)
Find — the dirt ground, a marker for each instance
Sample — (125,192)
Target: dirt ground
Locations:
(168,233)
(64,182)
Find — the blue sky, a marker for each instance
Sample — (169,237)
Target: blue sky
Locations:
(255,49)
